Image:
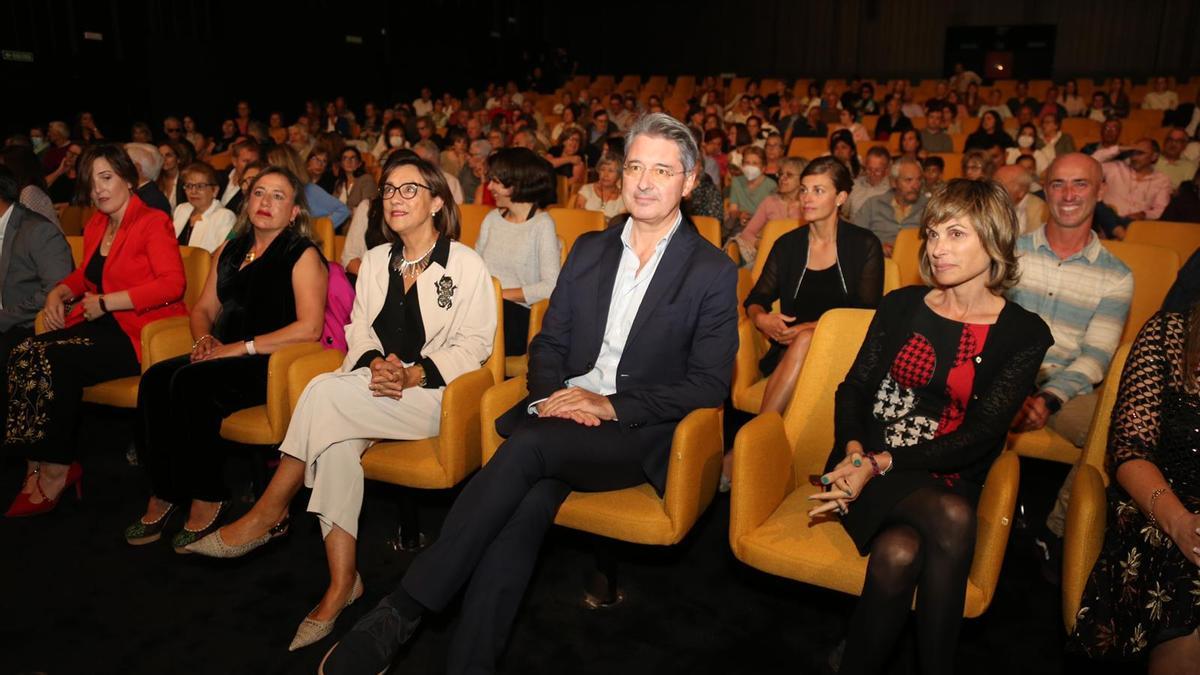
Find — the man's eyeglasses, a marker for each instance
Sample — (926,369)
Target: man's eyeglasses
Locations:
(658,173)
(406,190)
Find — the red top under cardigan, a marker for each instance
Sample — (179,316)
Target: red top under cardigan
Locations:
(143,261)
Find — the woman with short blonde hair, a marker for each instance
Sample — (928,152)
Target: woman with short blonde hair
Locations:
(919,419)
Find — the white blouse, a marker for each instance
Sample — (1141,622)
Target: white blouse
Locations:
(592,202)
(211,230)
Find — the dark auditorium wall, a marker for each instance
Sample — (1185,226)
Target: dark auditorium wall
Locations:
(162,57)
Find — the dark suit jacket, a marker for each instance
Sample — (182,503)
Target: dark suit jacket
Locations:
(154,198)
(34,258)
(681,346)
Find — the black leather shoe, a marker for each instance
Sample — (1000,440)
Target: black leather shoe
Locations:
(371,644)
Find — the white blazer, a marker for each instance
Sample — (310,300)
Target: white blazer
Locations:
(458,308)
(212,228)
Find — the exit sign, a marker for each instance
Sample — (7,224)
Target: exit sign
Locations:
(18,56)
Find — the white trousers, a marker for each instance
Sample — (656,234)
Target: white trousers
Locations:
(335,421)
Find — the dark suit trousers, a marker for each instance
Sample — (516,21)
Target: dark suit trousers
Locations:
(493,532)
(181,405)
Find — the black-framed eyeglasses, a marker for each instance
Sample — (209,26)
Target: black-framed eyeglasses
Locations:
(197,186)
(407,190)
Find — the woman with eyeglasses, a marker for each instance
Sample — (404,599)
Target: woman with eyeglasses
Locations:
(424,315)
(353,183)
(517,239)
(321,204)
(201,221)
(266,289)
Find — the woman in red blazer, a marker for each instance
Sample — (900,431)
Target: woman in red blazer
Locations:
(132,275)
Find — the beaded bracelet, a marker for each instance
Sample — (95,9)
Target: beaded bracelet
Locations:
(202,338)
(1154,498)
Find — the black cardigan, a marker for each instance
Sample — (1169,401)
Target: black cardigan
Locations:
(1004,377)
(860,256)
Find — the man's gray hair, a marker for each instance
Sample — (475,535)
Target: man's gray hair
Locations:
(902,161)
(662,125)
(430,148)
(147,158)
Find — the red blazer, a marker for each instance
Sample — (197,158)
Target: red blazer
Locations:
(143,260)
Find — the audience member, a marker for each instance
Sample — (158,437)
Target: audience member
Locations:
(1117,98)
(912,447)
(1054,139)
(933,136)
(567,158)
(605,194)
(1070,100)
(774,153)
(932,170)
(826,263)
(35,256)
(1161,98)
(89,133)
(996,104)
(990,133)
(1171,162)
(847,121)
(176,155)
(1110,137)
(977,165)
(1083,293)
(149,163)
(843,148)
(1026,146)
(747,191)
(59,135)
(354,183)
(873,181)
(892,120)
(61,183)
(266,290)
(474,173)
(1022,99)
(1185,205)
(232,192)
(910,145)
(201,221)
(784,203)
(1031,210)
(318,202)
(428,151)
(1133,188)
(1050,104)
(117,291)
(518,240)
(900,207)
(25,167)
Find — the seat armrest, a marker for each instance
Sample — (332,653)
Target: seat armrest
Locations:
(994,517)
(1083,537)
(459,438)
(496,401)
(745,364)
(763,474)
(307,366)
(165,339)
(694,468)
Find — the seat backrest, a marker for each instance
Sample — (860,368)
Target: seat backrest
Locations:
(495,362)
(906,252)
(891,275)
(1154,270)
(771,232)
(470,221)
(323,234)
(75,241)
(196,265)
(808,418)
(221,161)
(709,228)
(339,245)
(73,218)
(1095,448)
(1183,238)
(809,148)
(953,162)
(571,223)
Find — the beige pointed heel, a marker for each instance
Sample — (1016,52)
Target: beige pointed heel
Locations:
(311,630)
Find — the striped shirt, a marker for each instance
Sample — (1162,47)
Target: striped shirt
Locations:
(1084,298)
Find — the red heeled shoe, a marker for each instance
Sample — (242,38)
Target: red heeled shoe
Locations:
(22,506)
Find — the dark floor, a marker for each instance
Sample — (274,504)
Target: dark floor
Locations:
(77,599)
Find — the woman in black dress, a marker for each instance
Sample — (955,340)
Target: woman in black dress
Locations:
(266,290)
(919,419)
(825,264)
(1144,592)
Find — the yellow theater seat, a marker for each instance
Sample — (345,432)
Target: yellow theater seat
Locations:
(339,244)
(1183,238)
(75,241)
(1088,509)
(266,424)
(891,275)
(323,234)
(769,527)
(709,228)
(471,221)
(906,252)
(635,514)
(808,148)
(571,223)
(518,365)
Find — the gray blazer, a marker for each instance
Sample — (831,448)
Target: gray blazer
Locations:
(34,258)
(878,216)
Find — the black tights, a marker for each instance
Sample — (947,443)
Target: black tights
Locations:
(927,542)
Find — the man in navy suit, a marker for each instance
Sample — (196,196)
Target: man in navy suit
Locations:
(641,330)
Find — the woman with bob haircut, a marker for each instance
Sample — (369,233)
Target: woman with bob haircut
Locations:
(919,419)
(424,314)
(266,290)
(131,275)
(517,239)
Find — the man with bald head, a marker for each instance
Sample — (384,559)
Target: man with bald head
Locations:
(1031,210)
(1082,292)
(1177,168)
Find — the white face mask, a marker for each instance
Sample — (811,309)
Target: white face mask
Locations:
(1025,141)
(395,141)
(751,172)
(39,143)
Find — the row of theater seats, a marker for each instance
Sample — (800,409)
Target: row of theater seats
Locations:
(769,526)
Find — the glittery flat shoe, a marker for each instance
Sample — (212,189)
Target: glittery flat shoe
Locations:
(185,536)
(214,546)
(311,630)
